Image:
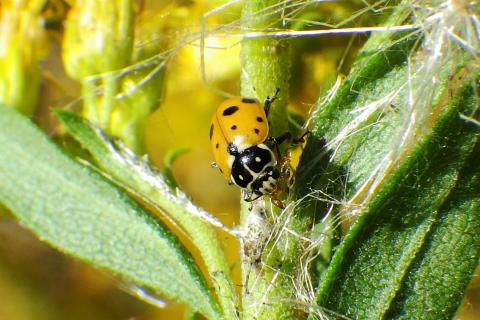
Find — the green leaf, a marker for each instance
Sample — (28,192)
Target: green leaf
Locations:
(410,170)
(413,253)
(75,210)
(168,161)
(137,176)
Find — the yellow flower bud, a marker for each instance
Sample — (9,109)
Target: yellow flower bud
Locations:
(22,44)
(98,37)
(142,89)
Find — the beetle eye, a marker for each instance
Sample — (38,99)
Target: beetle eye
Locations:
(232,149)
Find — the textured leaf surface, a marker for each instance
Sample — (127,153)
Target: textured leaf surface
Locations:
(412,254)
(409,165)
(78,212)
(137,176)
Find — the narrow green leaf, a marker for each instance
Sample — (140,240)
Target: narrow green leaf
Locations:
(137,176)
(410,170)
(168,161)
(78,212)
(413,253)
(435,286)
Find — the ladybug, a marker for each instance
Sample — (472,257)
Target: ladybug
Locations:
(242,148)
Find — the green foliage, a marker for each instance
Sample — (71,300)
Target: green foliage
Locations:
(419,232)
(413,178)
(136,176)
(168,161)
(394,150)
(74,209)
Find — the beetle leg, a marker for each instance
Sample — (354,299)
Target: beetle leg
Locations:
(268,102)
(275,142)
(300,139)
(278,203)
(286,136)
(247,196)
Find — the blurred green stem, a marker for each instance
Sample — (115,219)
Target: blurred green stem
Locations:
(98,106)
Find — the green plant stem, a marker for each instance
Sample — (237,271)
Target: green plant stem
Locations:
(99,102)
(269,291)
(266,61)
(89,94)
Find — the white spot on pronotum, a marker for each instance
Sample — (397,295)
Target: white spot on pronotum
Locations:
(240,177)
(257,159)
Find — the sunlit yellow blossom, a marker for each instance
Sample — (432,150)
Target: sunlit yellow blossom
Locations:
(22,45)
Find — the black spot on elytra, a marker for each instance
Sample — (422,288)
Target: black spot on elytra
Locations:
(234,127)
(259,119)
(248,100)
(216,146)
(257,131)
(230,110)
(211,131)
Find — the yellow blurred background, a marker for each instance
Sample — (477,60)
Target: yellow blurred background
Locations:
(39,283)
